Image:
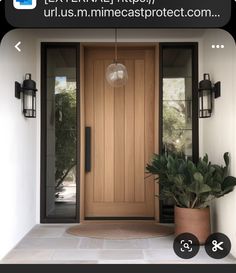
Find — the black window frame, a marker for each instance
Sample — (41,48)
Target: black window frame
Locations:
(195,126)
(43,156)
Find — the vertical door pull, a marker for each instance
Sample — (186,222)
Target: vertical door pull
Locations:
(87,149)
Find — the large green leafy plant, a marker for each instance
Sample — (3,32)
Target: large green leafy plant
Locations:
(191,185)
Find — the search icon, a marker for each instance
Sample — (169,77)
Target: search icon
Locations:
(186,245)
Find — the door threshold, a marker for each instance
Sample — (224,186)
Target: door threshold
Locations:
(119,218)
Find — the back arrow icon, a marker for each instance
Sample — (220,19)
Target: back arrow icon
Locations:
(17,46)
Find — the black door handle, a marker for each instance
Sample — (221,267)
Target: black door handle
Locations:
(87,149)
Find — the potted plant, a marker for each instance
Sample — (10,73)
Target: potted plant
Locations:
(192,187)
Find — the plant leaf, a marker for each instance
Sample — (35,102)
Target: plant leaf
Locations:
(198,177)
(228,183)
(226,159)
(205,158)
(198,188)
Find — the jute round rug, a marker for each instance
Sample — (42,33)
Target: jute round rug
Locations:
(121,231)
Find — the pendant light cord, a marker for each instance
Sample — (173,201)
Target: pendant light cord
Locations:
(116,54)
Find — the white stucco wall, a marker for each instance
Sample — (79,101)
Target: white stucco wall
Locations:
(219,132)
(20,138)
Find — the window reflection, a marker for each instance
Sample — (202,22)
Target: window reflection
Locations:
(61,133)
(177,118)
(177,100)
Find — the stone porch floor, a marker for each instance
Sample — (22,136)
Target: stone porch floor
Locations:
(50,244)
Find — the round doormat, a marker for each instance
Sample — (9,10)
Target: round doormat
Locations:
(121,231)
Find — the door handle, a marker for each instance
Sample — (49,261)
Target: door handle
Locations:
(87,149)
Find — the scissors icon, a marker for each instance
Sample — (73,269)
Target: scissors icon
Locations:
(217,246)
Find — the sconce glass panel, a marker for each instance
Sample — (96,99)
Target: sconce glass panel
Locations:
(205,103)
(29,103)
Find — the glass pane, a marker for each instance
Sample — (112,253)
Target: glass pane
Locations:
(177,100)
(177,115)
(61,133)
(179,141)
(173,89)
(177,62)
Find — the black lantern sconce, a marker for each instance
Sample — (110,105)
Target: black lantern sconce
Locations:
(28,90)
(207,92)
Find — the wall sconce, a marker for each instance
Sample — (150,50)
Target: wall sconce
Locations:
(28,90)
(207,91)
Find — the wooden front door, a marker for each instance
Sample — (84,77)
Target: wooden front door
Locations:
(122,133)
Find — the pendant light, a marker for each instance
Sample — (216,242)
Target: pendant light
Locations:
(116,73)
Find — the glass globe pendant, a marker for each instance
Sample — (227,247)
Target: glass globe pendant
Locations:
(116,73)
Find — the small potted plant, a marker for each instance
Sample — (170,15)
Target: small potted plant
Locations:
(192,187)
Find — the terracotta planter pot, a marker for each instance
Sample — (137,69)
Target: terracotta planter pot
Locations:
(195,221)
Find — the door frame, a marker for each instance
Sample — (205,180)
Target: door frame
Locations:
(195,125)
(82,120)
(80,169)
